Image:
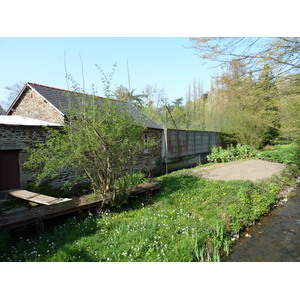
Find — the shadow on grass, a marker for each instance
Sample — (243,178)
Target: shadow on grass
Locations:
(54,235)
(183,183)
(169,184)
(71,255)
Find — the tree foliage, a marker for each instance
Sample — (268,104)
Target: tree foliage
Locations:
(194,112)
(249,105)
(289,107)
(122,93)
(259,96)
(99,144)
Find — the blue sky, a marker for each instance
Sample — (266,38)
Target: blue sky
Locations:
(164,62)
(33,39)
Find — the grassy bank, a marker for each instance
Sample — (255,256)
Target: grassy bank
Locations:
(190,219)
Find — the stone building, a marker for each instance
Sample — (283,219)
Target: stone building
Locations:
(174,149)
(17,133)
(51,104)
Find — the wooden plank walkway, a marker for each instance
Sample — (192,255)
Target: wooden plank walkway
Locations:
(43,212)
(37,198)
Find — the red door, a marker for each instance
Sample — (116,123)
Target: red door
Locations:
(9,169)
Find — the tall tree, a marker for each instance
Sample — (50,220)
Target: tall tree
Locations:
(273,65)
(155,104)
(249,105)
(154,96)
(289,107)
(177,102)
(122,93)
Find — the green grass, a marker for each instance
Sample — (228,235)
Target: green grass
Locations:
(285,153)
(190,219)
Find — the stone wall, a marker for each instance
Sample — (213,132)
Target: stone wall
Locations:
(32,105)
(150,160)
(21,136)
(18,138)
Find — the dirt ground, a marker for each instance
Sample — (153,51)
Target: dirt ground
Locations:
(254,170)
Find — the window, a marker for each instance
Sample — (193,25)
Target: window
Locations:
(146,147)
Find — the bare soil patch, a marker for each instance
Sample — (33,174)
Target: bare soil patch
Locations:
(254,169)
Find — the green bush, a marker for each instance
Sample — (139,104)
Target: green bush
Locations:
(231,153)
(131,180)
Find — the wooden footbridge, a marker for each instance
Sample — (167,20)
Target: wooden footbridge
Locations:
(42,207)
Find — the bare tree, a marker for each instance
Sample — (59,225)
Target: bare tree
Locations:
(12,92)
(282,54)
(154,96)
(2,111)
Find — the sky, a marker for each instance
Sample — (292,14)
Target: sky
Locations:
(153,39)
(163,62)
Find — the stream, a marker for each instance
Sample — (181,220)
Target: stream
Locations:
(275,238)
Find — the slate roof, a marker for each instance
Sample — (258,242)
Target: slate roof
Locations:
(61,99)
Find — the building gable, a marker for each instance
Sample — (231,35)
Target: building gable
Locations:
(33,105)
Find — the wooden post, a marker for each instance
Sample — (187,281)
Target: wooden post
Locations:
(166,148)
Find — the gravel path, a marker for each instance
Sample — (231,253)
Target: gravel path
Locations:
(254,170)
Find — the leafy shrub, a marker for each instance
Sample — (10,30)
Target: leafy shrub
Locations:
(231,153)
(131,179)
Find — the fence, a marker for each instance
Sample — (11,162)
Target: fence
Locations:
(184,148)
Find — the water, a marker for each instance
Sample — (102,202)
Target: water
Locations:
(276,238)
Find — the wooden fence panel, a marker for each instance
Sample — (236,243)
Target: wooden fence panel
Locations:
(182,143)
